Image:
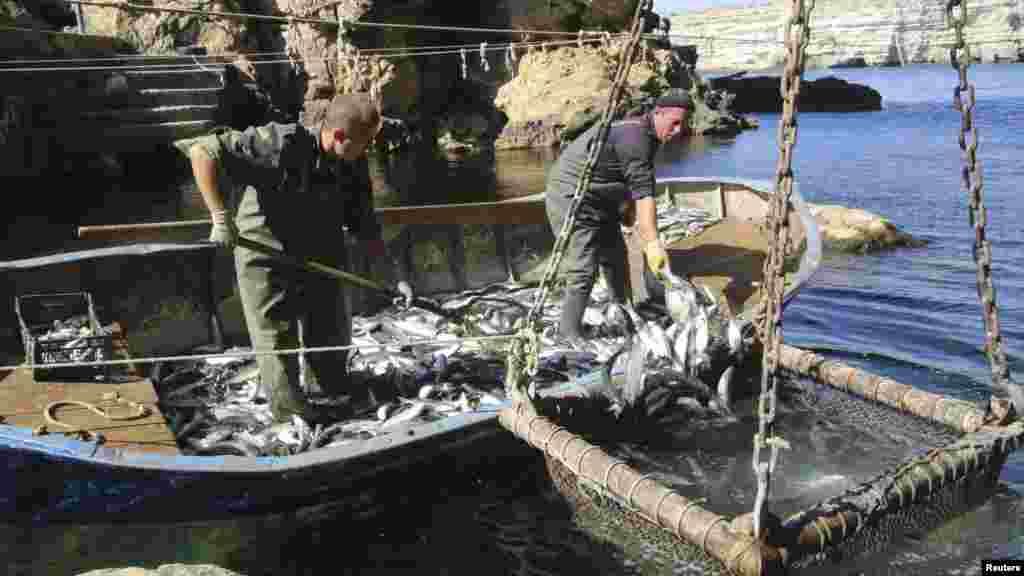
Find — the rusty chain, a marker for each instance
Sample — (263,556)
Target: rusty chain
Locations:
(960,58)
(595,147)
(798,27)
(523,355)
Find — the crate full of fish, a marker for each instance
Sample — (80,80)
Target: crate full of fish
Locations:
(61,328)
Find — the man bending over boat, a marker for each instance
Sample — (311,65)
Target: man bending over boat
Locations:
(297,188)
(621,192)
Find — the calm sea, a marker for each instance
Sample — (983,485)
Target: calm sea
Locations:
(912,314)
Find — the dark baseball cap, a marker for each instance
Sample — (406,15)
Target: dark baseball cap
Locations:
(675,98)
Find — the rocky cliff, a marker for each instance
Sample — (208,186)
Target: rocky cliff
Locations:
(449,93)
(880,31)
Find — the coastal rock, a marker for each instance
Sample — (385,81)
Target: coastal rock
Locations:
(161,32)
(553,89)
(761,94)
(854,230)
(165,570)
(881,32)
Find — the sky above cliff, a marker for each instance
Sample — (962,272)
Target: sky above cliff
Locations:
(665,7)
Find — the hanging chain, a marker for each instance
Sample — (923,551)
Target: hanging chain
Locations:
(774,277)
(595,147)
(960,58)
(523,354)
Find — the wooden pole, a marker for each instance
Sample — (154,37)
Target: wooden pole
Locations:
(739,552)
(527,210)
(958,414)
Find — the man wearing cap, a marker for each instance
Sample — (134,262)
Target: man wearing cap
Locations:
(621,191)
(296,189)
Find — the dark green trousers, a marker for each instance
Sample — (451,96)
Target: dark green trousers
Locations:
(596,244)
(289,308)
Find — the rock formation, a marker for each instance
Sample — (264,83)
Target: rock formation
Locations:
(880,31)
(761,94)
(853,230)
(449,94)
(466,98)
(554,91)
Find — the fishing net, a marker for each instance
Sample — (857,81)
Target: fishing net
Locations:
(859,477)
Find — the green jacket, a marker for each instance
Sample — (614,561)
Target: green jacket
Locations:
(298,187)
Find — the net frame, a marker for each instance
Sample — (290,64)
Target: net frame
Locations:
(946,482)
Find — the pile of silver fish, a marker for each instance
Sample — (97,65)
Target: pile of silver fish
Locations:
(433,371)
(679,222)
(74,331)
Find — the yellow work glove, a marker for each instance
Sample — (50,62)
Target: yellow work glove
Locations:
(657,257)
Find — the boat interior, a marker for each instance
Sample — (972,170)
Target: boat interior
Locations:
(725,255)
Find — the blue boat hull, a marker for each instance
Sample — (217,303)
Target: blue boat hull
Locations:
(53,479)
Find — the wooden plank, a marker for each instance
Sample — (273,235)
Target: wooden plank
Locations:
(23,401)
(526,210)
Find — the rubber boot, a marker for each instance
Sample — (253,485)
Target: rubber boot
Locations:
(280,375)
(570,327)
(287,399)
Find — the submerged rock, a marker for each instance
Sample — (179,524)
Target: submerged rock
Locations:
(854,230)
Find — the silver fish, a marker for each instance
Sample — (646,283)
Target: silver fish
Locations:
(211,437)
(414,411)
(416,328)
(231,447)
(244,374)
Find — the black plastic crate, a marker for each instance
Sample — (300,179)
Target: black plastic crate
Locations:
(37,315)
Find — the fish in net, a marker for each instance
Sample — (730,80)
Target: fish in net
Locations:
(860,476)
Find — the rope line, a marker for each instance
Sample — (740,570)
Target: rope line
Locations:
(197,67)
(248,55)
(398,52)
(254,353)
(395,25)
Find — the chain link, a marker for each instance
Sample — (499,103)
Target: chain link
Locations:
(522,358)
(595,147)
(770,312)
(960,58)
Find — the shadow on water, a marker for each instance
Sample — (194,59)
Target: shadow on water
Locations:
(492,521)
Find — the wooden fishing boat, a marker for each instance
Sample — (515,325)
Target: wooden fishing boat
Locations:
(139,474)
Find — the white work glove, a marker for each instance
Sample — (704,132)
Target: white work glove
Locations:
(224,233)
(406,297)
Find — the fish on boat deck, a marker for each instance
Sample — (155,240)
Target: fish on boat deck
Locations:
(445,379)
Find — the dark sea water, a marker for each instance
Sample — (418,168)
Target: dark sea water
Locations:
(908,313)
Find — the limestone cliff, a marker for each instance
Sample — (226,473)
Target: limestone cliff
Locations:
(880,31)
(551,86)
(436,93)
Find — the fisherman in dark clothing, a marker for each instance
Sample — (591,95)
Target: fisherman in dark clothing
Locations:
(621,192)
(295,190)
